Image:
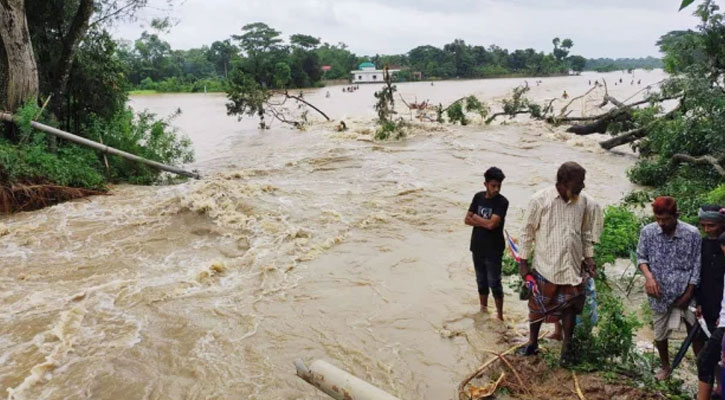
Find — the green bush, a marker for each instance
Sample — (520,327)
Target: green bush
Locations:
(144,136)
(619,236)
(609,343)
(509,266)
(33,164)
(455,114)
(390,130)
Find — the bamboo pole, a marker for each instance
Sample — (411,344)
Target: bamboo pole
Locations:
(4,116)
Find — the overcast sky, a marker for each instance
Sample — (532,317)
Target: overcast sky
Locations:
(599,28)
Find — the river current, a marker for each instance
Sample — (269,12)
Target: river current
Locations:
(295,244)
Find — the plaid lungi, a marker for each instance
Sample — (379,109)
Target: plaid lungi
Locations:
(553,299)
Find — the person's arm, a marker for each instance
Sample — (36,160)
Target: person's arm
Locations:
(696,261)
(684,300)
(532,219)
(650,283)
(468,220)
(490,224)
(591,231)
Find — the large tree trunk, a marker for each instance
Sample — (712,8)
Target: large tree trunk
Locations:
(71,40)
(21,70)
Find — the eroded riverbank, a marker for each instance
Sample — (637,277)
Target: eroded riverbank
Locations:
(307,245)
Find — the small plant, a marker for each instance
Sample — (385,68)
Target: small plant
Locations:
(455,114)
(390,130)
(609,343)
(619,237)
(509,266)
(385,108)
(475,106)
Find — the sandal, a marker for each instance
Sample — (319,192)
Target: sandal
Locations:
(527,350)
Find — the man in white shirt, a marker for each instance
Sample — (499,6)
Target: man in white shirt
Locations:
(559,230)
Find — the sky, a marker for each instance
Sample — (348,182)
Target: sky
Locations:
(599,28)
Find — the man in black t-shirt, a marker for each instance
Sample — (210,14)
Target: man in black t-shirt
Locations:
(486,215)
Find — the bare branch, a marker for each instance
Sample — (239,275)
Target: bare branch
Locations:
(702,160)
(301,100)
(498,114)
(563,110)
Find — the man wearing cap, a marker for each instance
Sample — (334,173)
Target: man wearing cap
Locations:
(709,296)
(668,254)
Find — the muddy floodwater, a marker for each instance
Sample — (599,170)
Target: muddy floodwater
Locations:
(312,244)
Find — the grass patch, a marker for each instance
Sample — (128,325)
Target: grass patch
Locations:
(142,92)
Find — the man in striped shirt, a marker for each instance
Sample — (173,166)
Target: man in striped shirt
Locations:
(560,228)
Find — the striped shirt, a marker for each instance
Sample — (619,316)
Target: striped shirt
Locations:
(560,235)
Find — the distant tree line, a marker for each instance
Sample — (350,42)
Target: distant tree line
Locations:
(622,64)
(262,53)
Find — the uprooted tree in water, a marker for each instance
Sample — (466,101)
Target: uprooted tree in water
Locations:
(261,83)
(385,108)
(678,126)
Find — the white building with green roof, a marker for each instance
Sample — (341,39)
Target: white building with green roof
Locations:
(366,73)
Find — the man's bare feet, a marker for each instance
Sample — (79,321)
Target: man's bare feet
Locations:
(555,336)
(499,315)
(662,374)
(484,310)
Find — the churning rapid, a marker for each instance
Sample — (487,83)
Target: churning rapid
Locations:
(295,244)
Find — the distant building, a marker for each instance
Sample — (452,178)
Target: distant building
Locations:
(368,74)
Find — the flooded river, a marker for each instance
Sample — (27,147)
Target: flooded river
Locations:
(296,244)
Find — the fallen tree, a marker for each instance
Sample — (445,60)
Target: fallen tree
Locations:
(248,97)
(703,160)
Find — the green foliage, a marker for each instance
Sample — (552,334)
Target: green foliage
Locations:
(474,105)
(696,60)
(24,116)
(31,163)
(619,236)
(517,102)
(339,58)
(282,75)
(716,196)
(622,64)
(143,135)
(638,198)
(610,343)
(385,105)
(509,266)
(685,4)
(455,114)
(385,108)
(246,96)
(390,130)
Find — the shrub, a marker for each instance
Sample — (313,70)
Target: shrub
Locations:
(455,114)
(144,136)
(619,236)
(33,164)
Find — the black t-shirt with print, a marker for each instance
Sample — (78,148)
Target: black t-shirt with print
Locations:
(484,240)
